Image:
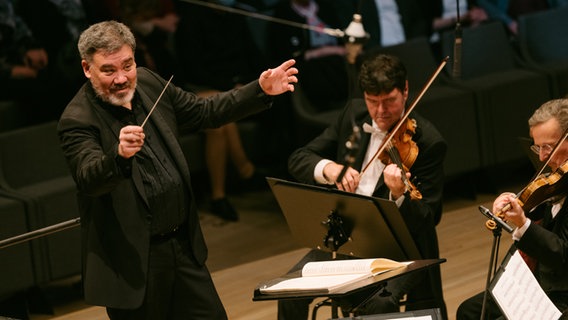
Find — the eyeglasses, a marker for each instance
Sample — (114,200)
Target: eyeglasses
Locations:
(545,147)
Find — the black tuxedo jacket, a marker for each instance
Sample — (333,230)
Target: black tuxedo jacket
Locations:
(113,207)
(547,242)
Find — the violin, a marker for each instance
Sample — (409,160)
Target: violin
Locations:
(402,151)
(543,188)
(398,144)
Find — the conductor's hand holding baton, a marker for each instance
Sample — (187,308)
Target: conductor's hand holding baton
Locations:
(131,140)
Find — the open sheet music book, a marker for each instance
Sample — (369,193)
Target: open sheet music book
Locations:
(519,295)
(327,276)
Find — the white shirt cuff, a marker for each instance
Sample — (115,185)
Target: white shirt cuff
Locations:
(398,201)
(519,232)
(318,172)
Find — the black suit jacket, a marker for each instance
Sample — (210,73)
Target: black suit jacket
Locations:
(420,216)
(547,242)
(113,206)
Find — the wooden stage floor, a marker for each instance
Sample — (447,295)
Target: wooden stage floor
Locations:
(259,247)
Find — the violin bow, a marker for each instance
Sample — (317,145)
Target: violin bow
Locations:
(157,100)
(406,114)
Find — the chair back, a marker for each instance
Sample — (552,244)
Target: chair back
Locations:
(543,35)
(486,49)
(30,155)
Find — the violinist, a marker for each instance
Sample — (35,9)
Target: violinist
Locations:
(541,232)
(383,80)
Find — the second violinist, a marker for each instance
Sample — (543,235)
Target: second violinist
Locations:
(541,233)
(383,81)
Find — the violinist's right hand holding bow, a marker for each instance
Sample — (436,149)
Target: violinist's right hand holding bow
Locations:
(350,179)
(515,214)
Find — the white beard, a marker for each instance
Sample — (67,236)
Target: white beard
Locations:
(113,99)
(119,100)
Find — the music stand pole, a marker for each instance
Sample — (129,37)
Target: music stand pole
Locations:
(335,238)
(492,263)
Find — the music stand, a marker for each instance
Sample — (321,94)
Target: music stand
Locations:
(433,314)
(372,227)
(346,223)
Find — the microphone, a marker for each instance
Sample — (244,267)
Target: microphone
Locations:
(495,218)
(456,69)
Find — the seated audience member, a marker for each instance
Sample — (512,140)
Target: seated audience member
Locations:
(57,24)
(227,58)
(391,22)
(445,16)
(320,56)
(23,65)
(154,23)
(508,11)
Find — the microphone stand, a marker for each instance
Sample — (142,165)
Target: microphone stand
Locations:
(456,68)
(492,263)
(494,255)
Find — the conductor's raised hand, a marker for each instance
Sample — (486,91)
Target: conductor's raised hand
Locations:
(131,140)
(279,80)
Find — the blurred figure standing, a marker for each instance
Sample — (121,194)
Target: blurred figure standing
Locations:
(226,58)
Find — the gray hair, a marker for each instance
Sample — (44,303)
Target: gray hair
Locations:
(106,36)
(557,109)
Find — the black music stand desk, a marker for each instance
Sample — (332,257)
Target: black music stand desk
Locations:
(371,228)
